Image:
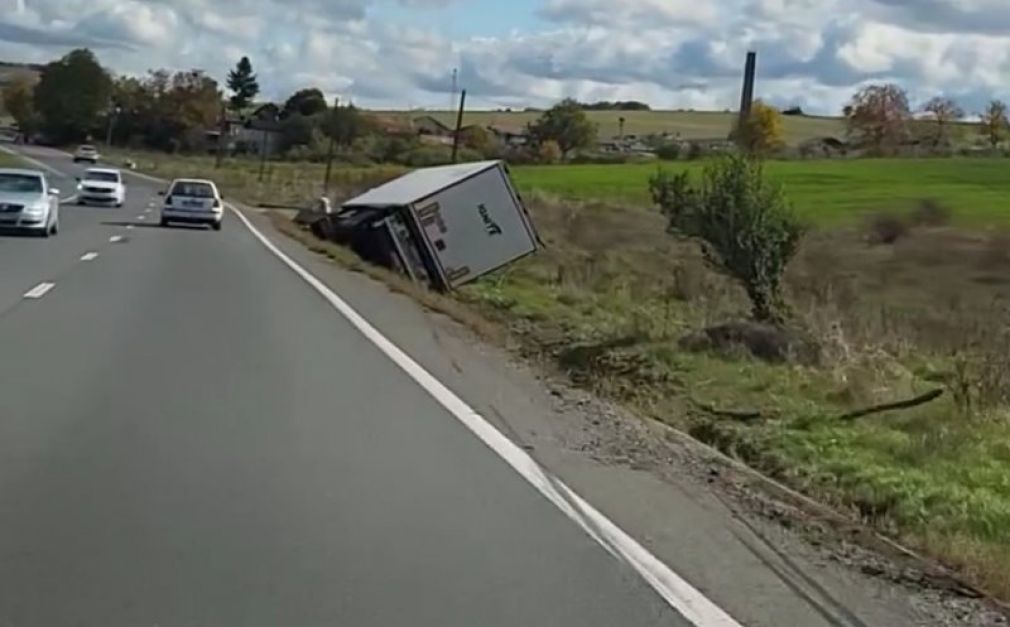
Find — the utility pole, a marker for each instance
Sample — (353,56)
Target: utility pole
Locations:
(113,116)
(459,127)
(268,125)
(455,88)
(333,145)
(747,97)
(263,154)
(222,130)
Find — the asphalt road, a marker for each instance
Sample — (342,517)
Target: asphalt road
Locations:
(191,435)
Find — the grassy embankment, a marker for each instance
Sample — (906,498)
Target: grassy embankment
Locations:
(612,294)
(8,161)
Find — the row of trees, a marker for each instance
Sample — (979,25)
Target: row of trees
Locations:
(75,98)
(879,116)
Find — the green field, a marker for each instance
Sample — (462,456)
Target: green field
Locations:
(689,124)
(835,192)
(828,193)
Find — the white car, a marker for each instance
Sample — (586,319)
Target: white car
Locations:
(193,201)
(87,153)
(101,186)
(28,203)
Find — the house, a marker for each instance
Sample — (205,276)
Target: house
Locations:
(429,125)
(249,134)
(510,136)
(391,125)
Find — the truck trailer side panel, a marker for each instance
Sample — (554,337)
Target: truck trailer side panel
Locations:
(475,226)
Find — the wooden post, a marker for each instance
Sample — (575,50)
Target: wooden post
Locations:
(459,126)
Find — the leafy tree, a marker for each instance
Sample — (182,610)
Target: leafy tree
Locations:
(994,122)
(944,112)
(19,101)
(878,116)
(168,111)
(72,94)
(549,152)
(306,102)
(476,138)
(344,124)
(243,85)
(744,225)
(763,131)
(296,130)
(567,124)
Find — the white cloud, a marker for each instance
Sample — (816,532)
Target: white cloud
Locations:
(671,53)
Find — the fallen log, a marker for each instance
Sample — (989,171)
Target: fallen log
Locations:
(928,397)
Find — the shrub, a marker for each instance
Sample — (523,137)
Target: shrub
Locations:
(887,228)
(549,152)
(931,213)
(695,150)
(745,226)
(603,158)
(669,151)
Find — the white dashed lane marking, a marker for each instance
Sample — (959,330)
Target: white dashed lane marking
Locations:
(115,239)
(39,290)
(89,256)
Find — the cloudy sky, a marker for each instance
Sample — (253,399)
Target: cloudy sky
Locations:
(670,53)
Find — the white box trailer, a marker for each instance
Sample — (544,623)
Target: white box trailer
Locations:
(462,221)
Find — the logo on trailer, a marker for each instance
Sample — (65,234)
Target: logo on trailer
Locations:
(490,225)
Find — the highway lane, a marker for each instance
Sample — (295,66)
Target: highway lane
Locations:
(192,436)
(26,261)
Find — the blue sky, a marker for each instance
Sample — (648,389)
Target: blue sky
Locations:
(669,53)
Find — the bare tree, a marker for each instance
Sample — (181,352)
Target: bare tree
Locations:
(994,122)
(878,116)
(944,112)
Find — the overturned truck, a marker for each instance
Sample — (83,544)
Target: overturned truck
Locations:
(442,226)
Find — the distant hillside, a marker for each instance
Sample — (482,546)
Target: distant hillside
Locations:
(689,124)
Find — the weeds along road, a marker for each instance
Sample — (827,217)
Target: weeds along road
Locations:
(195,431)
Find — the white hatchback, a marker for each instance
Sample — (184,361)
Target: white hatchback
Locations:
(101,186)
(193,201)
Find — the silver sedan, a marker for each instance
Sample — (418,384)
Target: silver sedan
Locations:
(28,203)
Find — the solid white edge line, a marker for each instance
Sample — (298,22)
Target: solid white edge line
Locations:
(678,593)
(68,199)
(39,290)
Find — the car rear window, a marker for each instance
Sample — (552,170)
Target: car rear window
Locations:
(20,183)
(103,177)
(192,190)
(87,149)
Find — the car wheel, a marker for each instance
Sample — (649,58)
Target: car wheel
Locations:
(55,228)
(216,226)
(164,222)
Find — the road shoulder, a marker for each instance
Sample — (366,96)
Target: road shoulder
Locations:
(690,510)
